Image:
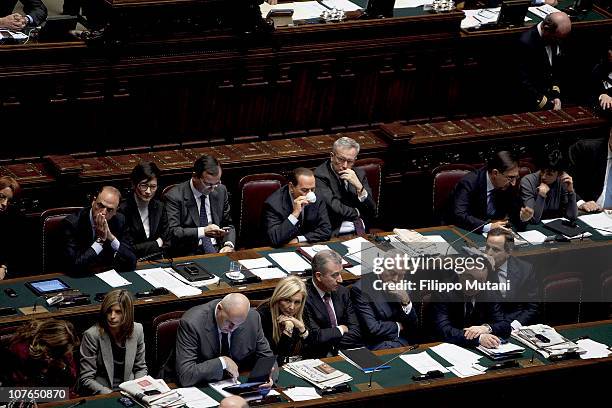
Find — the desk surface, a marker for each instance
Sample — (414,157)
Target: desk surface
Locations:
(397,381)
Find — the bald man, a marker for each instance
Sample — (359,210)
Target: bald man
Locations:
(218,339)
(94,237)
(542,63)
(233,401)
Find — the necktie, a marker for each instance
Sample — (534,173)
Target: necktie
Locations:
(330,309)
(491,204)
(225,348)
(608,198)
(503,277)
(207,245)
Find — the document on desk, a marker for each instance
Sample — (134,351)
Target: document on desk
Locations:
(455,355)
(160,277)
(543,10)
(302,10)
(600,221)
(593,349)
(475,18)
(534,237)
(411,3)
(311,251)
(261,267)
(301,393)
(14,35)
(194,398)
(290,261)
(113,279)
(359,248)
(423,362)
(219,385)
(345,5)
(464,371)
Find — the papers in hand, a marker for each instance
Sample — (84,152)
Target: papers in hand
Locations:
(290,261)
(113,279)
(301,393)
(423,362)
(261,267)
(317,373)
(161,277)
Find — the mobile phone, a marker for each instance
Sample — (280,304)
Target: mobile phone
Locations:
(126,402)
(152,392)
(192,270)
(10,292)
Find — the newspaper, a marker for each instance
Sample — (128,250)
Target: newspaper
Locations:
(150,392)
(318,373)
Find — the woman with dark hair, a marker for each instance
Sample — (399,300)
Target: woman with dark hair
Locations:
(549,191)
(113,350)
(282,318)
(8,190)
(40,354)
(146,226)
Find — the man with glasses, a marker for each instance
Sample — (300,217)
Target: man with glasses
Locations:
(345,190)
(486,198)
(198,212)
(146,227)
(95,238)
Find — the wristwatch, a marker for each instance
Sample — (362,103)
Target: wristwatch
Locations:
(229,244)
(99,240)
(488,327)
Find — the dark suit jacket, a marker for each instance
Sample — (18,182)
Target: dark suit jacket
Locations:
(519,303)
(79,255)
(469,205)
(313,224)
(378,314)
(342,204)
(286,346)
(34,8)
(537,76)
(184,218)
(589,160)
(158,226)
(324,338)
(198,346)
(448,317)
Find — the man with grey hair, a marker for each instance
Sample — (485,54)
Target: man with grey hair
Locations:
(345,190)
(329,314)
(217,338)
(94,237)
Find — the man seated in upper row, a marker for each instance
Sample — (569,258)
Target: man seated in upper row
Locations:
(198,211)
(35,13)
(345,190)
(485,199)
(592,163)
(293,213)
(95,238)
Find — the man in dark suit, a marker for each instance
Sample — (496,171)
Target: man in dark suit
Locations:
(220,336)
(345,190)
(517,303)
(95,237)
(384,310)
(541,62)
(146,226)
(469,317)
(592,167)
(198,212)
(35,13)
(489,194)
(294,214)
(329,313)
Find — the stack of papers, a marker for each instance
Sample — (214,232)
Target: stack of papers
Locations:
(546,340)
(360,248)
(261,267)
(600,222)
(464,362)
(423,362)
(593,349)
(507,350)
(152,393)
(345,5)
(113,279)
(301,393)
(318,373)
(162,278)
(290,261)
(194,398)
(311,251)
(534,237)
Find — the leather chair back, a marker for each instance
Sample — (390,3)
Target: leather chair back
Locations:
(254,190)
(374,172)
(51,241)
(445,178)
(562,296)
(163,355)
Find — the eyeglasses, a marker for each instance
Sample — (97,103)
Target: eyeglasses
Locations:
(144,187)
(210,185)
(101,206)
(341,159)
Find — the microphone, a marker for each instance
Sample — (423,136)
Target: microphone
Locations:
(463,236)
(410,348)
(152,255)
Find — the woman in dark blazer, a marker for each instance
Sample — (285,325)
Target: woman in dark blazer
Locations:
(8,223)
(113,350)
(549,191)
(146,225)
(282,318)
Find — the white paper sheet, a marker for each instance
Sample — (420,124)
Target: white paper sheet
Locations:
(411,3)
(302,10)
(543,10)
(261,267)
(194,398)
(290,261)
(455,355)
(160,278)
(533,237)
(423,362)
(593,349)
(600,221)
(113,279)
(465,371)
(345,5)
(355,270)
(301,393)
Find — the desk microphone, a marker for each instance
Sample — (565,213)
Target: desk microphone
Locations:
(410,348)
(151,256)
(463,236)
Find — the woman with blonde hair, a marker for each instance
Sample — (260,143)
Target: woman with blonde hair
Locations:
(41,354)
(282,318)
(113,350)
